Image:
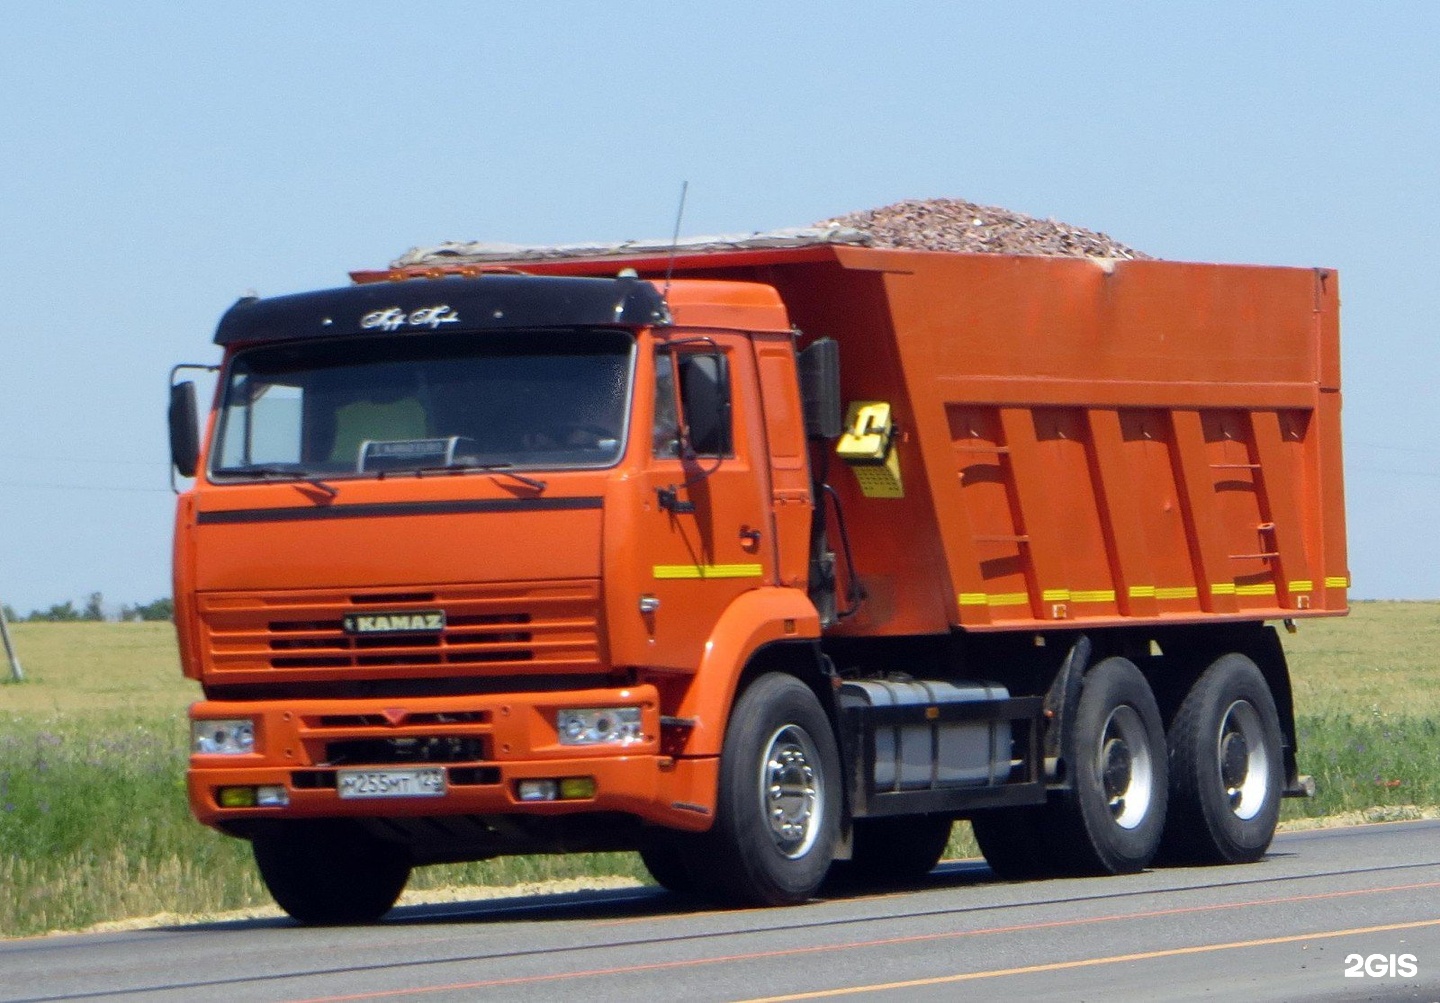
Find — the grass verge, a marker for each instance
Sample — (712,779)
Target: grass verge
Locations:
(94,826)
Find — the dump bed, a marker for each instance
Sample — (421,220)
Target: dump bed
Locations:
(1080,441)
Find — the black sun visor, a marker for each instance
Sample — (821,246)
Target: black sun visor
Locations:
(416,306)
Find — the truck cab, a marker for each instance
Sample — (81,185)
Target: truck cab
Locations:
(460,547)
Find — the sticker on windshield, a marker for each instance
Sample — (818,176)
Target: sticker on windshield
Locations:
(393,318)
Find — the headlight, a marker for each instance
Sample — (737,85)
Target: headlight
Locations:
(600,726)
(230,737)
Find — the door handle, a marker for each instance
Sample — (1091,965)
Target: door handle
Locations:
(669,499)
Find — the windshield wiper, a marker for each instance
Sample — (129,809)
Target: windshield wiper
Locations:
(484,468)
(276,470)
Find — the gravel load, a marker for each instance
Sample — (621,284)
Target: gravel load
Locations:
(947,224)
(915,224)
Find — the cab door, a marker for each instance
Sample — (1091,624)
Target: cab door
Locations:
(706,534)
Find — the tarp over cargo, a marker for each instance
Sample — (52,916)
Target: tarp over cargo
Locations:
(479,251)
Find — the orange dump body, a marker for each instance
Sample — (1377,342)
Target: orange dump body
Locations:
(1080,442)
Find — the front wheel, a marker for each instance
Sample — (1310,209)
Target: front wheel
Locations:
(326,873)
(778,811)
(1226,771)
(667,857)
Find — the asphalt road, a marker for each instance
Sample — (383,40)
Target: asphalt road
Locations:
(1364,899)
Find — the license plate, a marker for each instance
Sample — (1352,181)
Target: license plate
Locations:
(426,782)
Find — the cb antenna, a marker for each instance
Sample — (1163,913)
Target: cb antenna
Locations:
(675,241)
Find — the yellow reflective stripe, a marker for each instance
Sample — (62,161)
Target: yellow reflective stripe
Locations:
(1255,590)
(1339,582)
(1078,595)
(1230,589)
(1138,592)
(675,571)
(993,598)
(1108,595)
(1007,599)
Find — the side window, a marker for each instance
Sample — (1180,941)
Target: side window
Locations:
(267,417)
(705,401)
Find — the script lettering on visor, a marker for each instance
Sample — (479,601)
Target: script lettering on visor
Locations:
(394,623)
(394,318)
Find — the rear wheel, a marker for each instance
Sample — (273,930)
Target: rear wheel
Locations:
(894,850)
(1110,819)
(1226,768)
(328,873)
(778,810)
(1015,842)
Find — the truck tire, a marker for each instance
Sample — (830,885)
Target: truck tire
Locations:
(894,850)
(328,873)
(1226,768)
(1111,818)
(1014,842)
(778,810)
(666,857)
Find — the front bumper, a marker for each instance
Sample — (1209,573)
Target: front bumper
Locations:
(500,739)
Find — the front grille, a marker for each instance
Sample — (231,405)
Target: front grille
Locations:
(466,639)
(388,751)
(516,630)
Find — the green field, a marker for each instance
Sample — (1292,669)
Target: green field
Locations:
(94,824)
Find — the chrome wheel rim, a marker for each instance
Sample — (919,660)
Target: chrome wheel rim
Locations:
(1126,767)
(792,795)
(1243,759)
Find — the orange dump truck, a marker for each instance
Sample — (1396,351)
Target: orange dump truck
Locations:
(757,560)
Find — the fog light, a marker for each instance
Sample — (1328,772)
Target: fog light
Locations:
(271,797)
(577,788)
(229,737)
(599,726)
(537,790)
(236,797)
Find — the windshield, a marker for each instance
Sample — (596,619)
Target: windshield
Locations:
(368,406)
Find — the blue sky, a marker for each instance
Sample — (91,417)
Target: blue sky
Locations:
(160,160)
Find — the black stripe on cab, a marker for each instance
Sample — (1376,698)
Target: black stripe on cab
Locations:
(386,509)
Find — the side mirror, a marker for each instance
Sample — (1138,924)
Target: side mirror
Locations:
(184,428)
(819,370)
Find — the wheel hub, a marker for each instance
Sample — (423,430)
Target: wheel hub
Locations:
(791,791)
(1126,767)
(1118,762)
(1243,759)
(1234,761)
